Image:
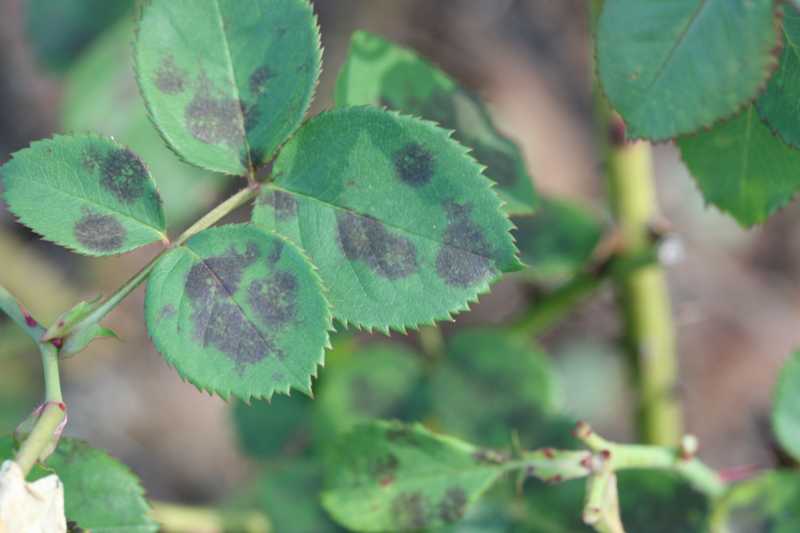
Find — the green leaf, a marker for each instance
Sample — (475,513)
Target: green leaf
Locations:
(671,68)
(491,384)
(267,430)
(399,221)
(786,407)
(100,493)
(70,318)
(780,102)
(769,503)
(378,381)
(100,94)
(388,476)
(742,168)
(557,241)
(227,81)
(86,193)
(239,311)
(381,73)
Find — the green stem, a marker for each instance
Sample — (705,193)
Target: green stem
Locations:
(176,518)
(431,341)
(43,435)
(211,218)
(643,294)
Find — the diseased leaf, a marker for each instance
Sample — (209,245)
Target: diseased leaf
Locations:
(381,73)
(239,311)
(779,105)
(491,384)
(100,493)
(769,503)
(378,381)
(86,193)
(786,407)
(227,81)
(388,476)
(557,241)
(742,168)
(671,68)
(399,221)
(100,95)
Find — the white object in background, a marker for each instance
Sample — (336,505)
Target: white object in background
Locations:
(36,507)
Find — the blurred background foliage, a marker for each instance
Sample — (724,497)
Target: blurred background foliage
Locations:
(65,66)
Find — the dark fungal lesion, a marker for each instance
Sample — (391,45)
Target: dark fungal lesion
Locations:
(100,233)
(284,204)
(464,258)
(213,117)
(124,175)
(274,299)
(363,238)
(218,321)
(259,78)
(453,505)
(414,164)
(169,77)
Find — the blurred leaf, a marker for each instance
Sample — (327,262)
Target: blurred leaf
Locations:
(769,503)
(290,496)
(658,501)
(651,501)
(239,311)
(227,81)
(742,168)
(778,105)
(100,94)
(266,430)
(786,407)
(378,72)
(59,31)
(87,193)
(491,384)
(389,476)
(557,240)
(400,222)
(671,68)
(378,381)
(100,493)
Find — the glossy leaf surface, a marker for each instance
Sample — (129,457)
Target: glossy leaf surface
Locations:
(381,73)
(86,193)
(239,311)
(401,224)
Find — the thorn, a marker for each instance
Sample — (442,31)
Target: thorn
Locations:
(58,343)
(62,406)
(605,454)
(549,453)
(582,430)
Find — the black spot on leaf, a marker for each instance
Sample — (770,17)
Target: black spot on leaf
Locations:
(463,259)
(409,509)
(214,118)
(284,204)
(259,79)
(275,299)
(453,505)
(124,175)
(414,164)
(217,320)
(365,239)
(101,233)
(170,79)
(92,157)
